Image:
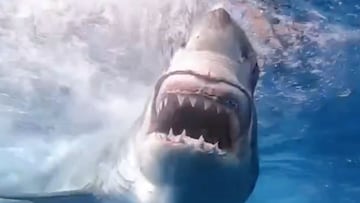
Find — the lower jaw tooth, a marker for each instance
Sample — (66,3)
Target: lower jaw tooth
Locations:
(188,141)
(201,139)
(196,143)
(162,136)
(201,142)
(212,151)
(200,145)
(220,152)
(181,139)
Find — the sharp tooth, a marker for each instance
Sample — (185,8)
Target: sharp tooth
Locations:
(218,109)
(218,150)
(186,140)
(207,104)
(201,139)
(181,138)
(165,101)
(183,133)
(180,99)
(158,108)
(192,101)
(201,143)
(171,133)
(221,152)
(212,148)
(162,136)
(161,105)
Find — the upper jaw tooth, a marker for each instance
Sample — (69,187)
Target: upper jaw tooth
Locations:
(161,105)
(218,109)
(207,104)
(171,133)
(180,99)
(183,133)
(192,101)
(165,101)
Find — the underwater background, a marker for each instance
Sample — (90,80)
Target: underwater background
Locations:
(74,74)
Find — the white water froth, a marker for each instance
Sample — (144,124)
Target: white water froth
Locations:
(73,76)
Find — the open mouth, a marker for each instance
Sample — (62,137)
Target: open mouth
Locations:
(209,124)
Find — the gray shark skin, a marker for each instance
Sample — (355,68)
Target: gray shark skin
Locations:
(197,140)
(67,197)
(60,197)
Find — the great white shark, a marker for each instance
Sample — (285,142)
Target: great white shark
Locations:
(197,139)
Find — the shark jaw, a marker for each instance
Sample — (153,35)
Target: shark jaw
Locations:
(209,121)
(196,134)
(195,118)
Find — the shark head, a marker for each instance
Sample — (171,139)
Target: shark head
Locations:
(199,134)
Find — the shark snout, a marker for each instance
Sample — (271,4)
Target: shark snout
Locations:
(219,18)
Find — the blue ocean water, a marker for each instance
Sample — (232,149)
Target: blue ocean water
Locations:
(309,124)
(308,114)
